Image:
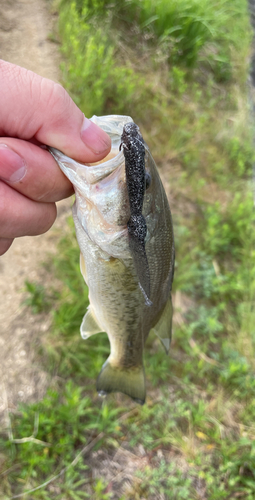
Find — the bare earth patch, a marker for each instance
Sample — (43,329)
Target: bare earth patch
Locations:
(24,30)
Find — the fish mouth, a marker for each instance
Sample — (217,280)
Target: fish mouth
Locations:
(110,195)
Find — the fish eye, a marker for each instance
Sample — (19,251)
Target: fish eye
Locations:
(147,180)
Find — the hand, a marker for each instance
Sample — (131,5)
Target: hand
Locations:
(35,112)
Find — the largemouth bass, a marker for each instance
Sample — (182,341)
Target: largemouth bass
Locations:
(124,229)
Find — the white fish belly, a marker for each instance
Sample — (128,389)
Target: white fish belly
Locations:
(116,300)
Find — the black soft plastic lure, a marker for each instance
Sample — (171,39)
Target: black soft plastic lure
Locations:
(136,178)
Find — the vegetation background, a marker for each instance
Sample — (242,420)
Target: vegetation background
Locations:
(180,69)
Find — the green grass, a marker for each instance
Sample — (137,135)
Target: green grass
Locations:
(182,77)
(38,298)
(117,53)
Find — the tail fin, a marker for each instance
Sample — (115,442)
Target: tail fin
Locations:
(129,381)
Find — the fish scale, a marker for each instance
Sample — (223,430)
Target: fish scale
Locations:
(104,206)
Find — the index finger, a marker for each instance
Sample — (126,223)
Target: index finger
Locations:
(33,107)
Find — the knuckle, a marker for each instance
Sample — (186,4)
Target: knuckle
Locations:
(55,98)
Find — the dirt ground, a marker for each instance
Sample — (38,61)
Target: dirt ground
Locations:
(24,40)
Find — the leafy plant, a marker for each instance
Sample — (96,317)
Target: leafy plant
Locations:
(166,480)
(39,299)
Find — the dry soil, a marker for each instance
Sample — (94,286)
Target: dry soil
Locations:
(25,26)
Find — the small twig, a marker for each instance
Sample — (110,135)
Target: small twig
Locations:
(126,415)
(30,439)
(216,267)
(15,466)
(127,452)
(218,423)
(202,355)
(84,450)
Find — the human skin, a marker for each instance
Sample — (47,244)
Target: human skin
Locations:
(35,112)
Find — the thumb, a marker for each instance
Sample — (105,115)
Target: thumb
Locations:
(33,107)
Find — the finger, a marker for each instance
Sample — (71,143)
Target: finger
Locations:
(20,216)
(35,107)
(5,245)
(32,171)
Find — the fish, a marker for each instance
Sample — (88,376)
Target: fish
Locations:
(125,233)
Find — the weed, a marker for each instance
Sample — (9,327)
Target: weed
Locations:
(47,435)
(186,30)
(99,491)
(90,59)
(39,299)
(167,481)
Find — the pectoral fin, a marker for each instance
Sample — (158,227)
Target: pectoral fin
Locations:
(89,325)
(163,328)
